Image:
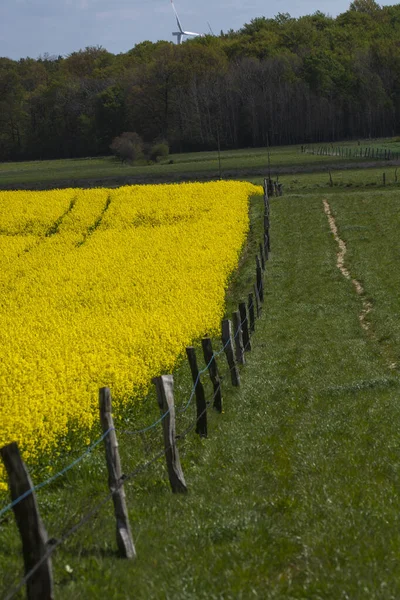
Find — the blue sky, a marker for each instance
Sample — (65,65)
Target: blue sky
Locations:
(35,27)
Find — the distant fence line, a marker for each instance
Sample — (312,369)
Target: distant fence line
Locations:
(236,334)
(352,152)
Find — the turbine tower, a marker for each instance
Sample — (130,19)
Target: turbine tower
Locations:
(179,34)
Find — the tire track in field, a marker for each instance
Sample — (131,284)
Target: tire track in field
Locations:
(54,229)
(50,232)
(90,230)
(360,291)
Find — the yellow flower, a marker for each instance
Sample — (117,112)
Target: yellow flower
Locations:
(105,288)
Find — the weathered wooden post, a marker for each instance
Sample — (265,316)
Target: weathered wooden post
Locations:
(251,312)
(238,335)
(261,249)
(270,188)
(384,179)
(33,534)
(245,326)
(259,279)
(266,199)
(125,543)
(211,362)
(266,222)
(228,348)
(257,300)
(201,422)
(165,397)
(266,245)
(266,226)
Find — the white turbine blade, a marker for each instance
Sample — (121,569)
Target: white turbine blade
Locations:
(191,33)
(177,18)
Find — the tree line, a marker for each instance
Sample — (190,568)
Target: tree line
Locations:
(275,81)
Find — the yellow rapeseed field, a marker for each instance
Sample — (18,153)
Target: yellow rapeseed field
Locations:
(105,287)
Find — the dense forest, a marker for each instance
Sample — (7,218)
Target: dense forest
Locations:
(276,81)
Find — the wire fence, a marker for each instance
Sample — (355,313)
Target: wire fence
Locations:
(39,486)
(55,543)
(366,152)
(153,425)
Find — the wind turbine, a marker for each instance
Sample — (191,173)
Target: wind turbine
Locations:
(179,34)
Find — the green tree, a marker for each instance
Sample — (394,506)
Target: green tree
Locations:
(366,6)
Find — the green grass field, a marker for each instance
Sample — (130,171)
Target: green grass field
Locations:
(345,180)
(295,493)
(235,163)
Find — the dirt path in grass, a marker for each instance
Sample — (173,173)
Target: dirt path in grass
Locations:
(366,305)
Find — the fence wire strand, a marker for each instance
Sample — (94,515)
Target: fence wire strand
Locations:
(39,486)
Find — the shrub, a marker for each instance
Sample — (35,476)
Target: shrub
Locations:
(128,146)
(159,150)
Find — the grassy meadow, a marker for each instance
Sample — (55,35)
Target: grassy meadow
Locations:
(295,493)
(235,163)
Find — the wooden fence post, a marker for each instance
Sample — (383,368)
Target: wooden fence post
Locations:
(261,249)
(260,286)
(165,397)
(125,543)
(251,312)
(265,186)
(257,300)
(384,178)
(33,534)
(266,201)
(238,335)
(266,246)
(228,348)
(245,326)
(210,360)
(266,222)
(266,227)
(201,423)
